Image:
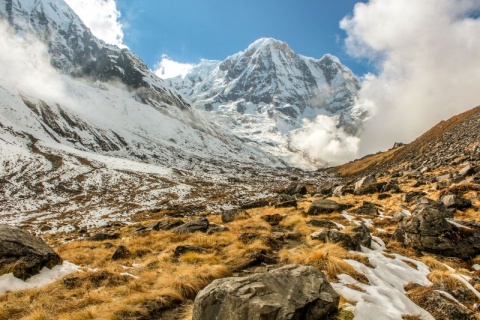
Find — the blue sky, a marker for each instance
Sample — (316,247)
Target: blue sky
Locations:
(190,30)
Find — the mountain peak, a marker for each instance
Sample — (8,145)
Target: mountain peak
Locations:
(267,43)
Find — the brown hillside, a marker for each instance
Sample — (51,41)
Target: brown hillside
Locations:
(456,137)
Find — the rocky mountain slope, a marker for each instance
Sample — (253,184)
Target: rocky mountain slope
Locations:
(265,92)
(402,242)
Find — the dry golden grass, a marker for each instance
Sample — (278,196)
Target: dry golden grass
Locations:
(326,257)
(434,264)
(445,278)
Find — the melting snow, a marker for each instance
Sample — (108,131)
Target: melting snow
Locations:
(384,295)
(46,276)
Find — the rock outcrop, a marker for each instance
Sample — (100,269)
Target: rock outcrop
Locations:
(23,254)
(291,292)
(430,229)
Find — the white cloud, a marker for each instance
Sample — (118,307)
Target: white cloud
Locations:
(102,18)
(427,54)
(168,68)
(25,65)
(322,142)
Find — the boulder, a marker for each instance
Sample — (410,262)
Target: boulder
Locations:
(230,215)
(364,182)
(121,253)
(167,224)
(412,196)
(429,230)
(321,223)
(23,254)
(273,219)
(456,202)
(180,250)
(101,236)
(285,200)
(360,236)
(335,236)
(368,185)
(392,187)
(367,208)
(254,204)
(200,225)
(291,292)
(296,188)
(325,206)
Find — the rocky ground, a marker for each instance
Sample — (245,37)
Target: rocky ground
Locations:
(396,234)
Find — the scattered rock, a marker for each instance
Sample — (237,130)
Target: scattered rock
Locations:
(361,235)
(335,236)
(23,254)
(217,229)
(325,206)
(104,236)
(290,292)
(454,201)
(273,219)
(121,253)
(338,191)
(253,258)
(367,208)
(440,304)
(180,250)
(429,230)
(444,177)
(231,215)
(200,225)
(254,204)
(167,224)
(399,216)
(285,200)
(468,170)
(294,189)
(382,196)
(248,237)
(364,182)
(392,187)
(322,223)
(413,196)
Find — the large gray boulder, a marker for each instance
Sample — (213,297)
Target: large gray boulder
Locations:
(23,254)
(431,229)
(291,292)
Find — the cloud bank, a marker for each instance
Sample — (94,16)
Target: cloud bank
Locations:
(102,18)
(25,65)
(323,143)
(427,55)
(168,68)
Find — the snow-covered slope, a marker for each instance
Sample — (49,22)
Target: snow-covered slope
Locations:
(88,133)
(266,91)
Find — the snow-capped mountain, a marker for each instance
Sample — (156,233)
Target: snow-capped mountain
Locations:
(128,117)
(78,115)
(266,91)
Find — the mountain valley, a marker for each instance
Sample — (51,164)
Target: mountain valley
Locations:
(125,196)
